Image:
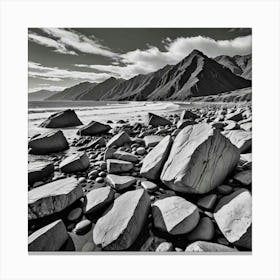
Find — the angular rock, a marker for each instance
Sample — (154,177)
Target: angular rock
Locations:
(121,225)
(183,123)
(233,215)
(235,117)
(205,230)
(119,140)
(175,215)
(152,140)
(246,160)
(155,120)
(187,114)
(53,197)
(224,189)
(200,160)
(120,182)
(83,227)
(204,246)
(75,163)
(207,202)
(241,139)
(118,166)
(38,170)
(62,119)
(155,159)
(149,186)
(48,238)
(124,156)
(244,177)
(230,125)
(93,143)
(50,142)
(94,128)
(246,126)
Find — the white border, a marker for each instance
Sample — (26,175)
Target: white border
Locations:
(17,16)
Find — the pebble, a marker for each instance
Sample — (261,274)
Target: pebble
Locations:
(99,180)
(208,202)
(82,180)
(140,151)
(205,230)
(38,184)
(164,247)
(93,174)
(74,215)
(149,186)
(83,227)
(224,189)
(102,174)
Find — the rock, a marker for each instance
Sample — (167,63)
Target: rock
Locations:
(50,142)
(235,117)
(155,120)
(118,166)
(244,177)
(246,160)
(80,240)
(149,186)
(233,215)
(124,156)
(152,140)
(62,119)
(218,125)
(151,244)
(200,160)
(82,180)
(99,180)
(204,246)
(119,140)
(83,227)
(187,114)
(155,159)
(53,197)
(48,238)
(39,170)
(183,123)
(93,143)
(165,247)
(97,199)
(175,215)
(230,125)
(241,139)
(121,225)
(246,126)
(74,215)
(207,202)
(140,151)
(203,231)
(120,182)
(224,189)
(94,128)
(75,163)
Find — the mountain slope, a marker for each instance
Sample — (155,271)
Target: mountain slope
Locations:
(40,95)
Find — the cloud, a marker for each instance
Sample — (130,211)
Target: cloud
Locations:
(47,87)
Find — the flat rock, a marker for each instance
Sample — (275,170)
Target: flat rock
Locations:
(118,166)
(39,170)
(83,227)
(120,182)
(121,225)
(187,114)
(66,118)
(47,143)
(124,156)
(100,141)
(155,120)
(240,138)
(75,163)
(149,186)
(207,202)
(224,189)
(48,238)
(246,126)
(94,128)
(244,177)
(175,215)
(53,197)
(233,215)
(152,140)
(119,140)
(235,116)
(155,159)
(204,246)
(205,230)
(200,159)
(183,123)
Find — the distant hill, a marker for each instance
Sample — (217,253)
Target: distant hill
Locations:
(40,95)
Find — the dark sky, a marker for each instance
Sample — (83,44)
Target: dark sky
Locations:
(60,57)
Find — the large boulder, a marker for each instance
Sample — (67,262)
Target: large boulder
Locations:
(75,163)
(49,238)
(155,159)
(204,246)
(118,166)
(39,170)
(241,139)
(53,197)
(121,225)
(187,114)
(120,182)
(119,140)
(200,159)
(233,215)
(94,128)
(155,120)
(50,142)
(175,215)
(62,119)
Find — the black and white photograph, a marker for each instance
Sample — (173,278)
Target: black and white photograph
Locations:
(140,144)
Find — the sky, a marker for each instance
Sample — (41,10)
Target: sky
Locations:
(62,57)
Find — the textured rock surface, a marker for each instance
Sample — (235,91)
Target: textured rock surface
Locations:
(118,166)
(152,140)
(244,177)
(200,159)
(50,142)
(124,156)
(53,197)
(204,246)
(39,170)
(94,128)
(187,114)
(120,182)
(175,215)
(74,163)
(155,159)
(48,238)
(120,226)
(203,231)
(119,140)
(155,120)
(241,139)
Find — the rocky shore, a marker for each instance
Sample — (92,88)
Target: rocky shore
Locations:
(177,182)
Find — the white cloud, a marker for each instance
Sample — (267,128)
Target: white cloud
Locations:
(47,87)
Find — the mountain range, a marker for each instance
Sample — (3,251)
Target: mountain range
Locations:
(195,76)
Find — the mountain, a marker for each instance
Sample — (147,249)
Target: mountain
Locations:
(40,95)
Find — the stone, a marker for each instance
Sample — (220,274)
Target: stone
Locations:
(94,128)
(155,159)
(53,197)
(200,159)
(121,225)
(246,126)
(175,215)
(74,215)
(97,199)
(235,116)
(204,246)
(151,244)
(124,156)
(224,189)
(187,114)
(183,123)
(155,120)
(47,143)
(241,139)
(230,125)
(165,247)
(99,180)
(66,118)
(48,238)
(75,163)
(207,202)
(149,186)
(140,151)
(233,215)
(83,227)
(246,160)
(93,143)
(205,230)
(39,170)
(80,240)
(152,140)
(119,140)
(118,166)
(120,182)
(82,180)
(244,177)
